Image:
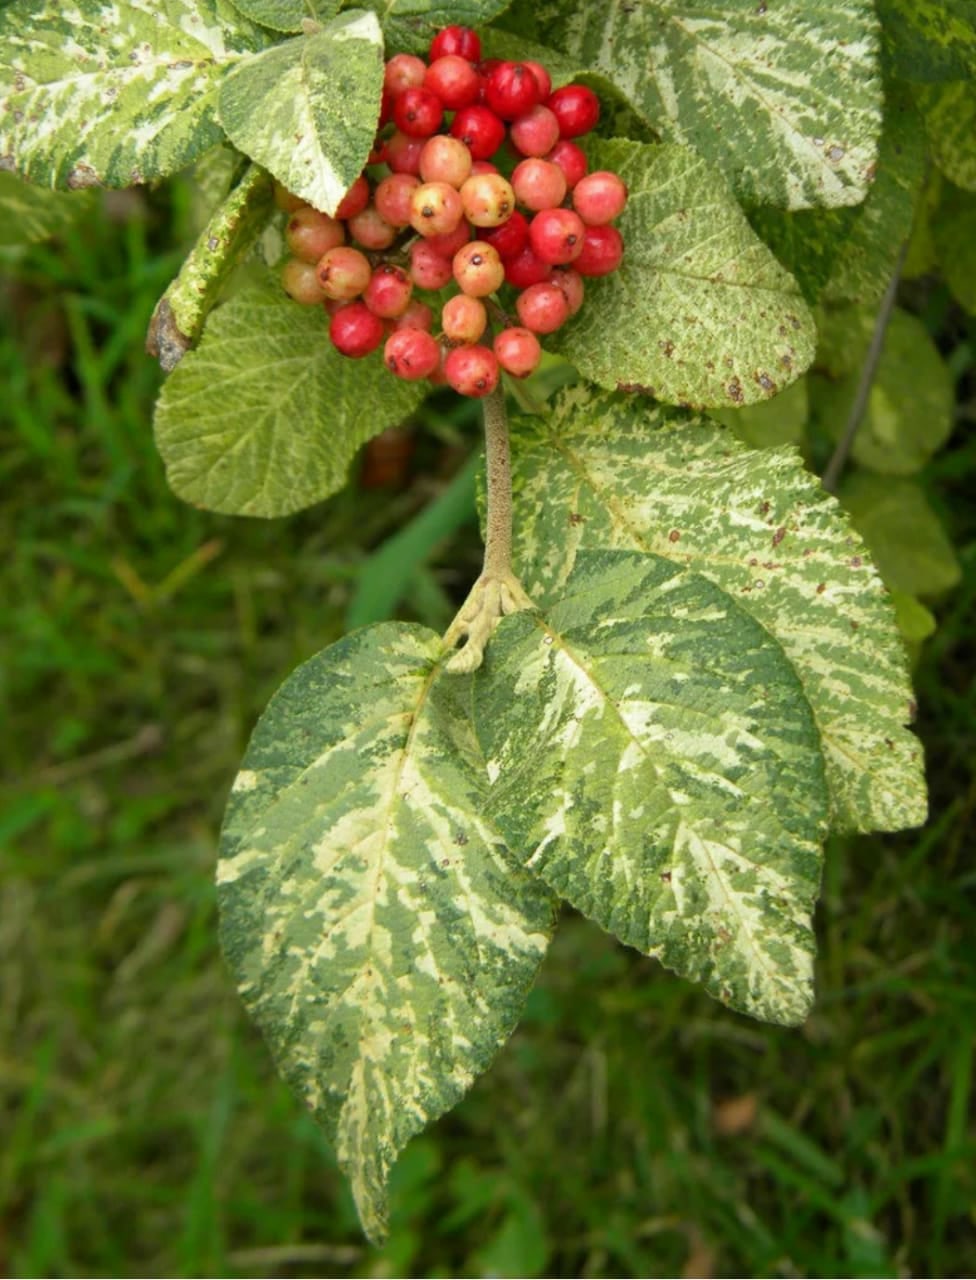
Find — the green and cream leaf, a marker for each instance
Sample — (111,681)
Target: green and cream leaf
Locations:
(306,109)
(606,471)
(699,312)
(265,416)
(412,24)
(654,760)
(287,15)
(381,935)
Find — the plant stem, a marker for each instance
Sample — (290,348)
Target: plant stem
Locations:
(869,369)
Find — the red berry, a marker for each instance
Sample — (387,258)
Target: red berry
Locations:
(517,351)
(480,130)
(355,331)
(402,153)
(571,159)
(343,273)
(412,354)
(417,316)
(388,293)
(371,229)
(403,72)
(539,184)
(571,283)
(445,159)
(542,76)
(435,209)
(457,40)
(393,196)
(483,166)
(418,113)
(576,108)
(542,308)
(309,234)
(464,319)
(599,198)
(535,132)
(526,268)
(488,200)
(478,269)
(510,238)
(429,270)
(471,371)
(301,282)
(355,200)
(603,249)
(447,245)
(454,81)
(510,90)
(556,236)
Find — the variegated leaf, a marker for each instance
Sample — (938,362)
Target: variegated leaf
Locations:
(785,98)
(116,93)
(265,416)
(609,471)
(654,760)
(949,111)
(287,15)
(699,312)
(306,109)
(929,40)
(412,24)
(381,935)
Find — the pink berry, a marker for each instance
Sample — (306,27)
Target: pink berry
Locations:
(510,90)
(576,108)
(418,113)
(301,282)
(556,236)
(448,244)
(388,293)
(454,81)
(542,308)
(526,268)
(482,166)
(456,40)
(535,132)
(402,153)
(429,270)
(309,234)
(517,351)
(464,319)
(480,130)
(355,200)
(543,78)
(411,354)
(471,370)
(355,331)
(435,209)
(571,283)
(571,159)
(603,249)
(488,200)
(392,198)
(371,229)
(599,198)
(402,72)
(510,237)
(343,273)
(445,159)
(539,184)
(417,316)
(478,269)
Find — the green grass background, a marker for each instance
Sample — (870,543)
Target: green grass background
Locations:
(632,1127)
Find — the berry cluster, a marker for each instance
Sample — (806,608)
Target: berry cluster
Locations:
(435,207)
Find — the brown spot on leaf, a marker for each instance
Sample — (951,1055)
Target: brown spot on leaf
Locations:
(778,536)
(734,389)
(575,517)
(635,388)
(165,340)
(821,588)
(82,176)
(674,535)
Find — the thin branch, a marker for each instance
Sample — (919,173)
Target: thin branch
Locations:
(869,369)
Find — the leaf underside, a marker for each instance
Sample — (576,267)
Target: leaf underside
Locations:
(604,471)
(381,935)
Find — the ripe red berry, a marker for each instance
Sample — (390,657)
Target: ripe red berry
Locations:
(603,249)
(571,159)
(535,132)
(388,293)
(402,153)
(517,351)
(571,283)
(454,81)
(510,238)
(556,236)
(457,40)
(435,209)
(488,200)
(343,273)
(510,90)
(371,229)
(428,269)
(526,268)
(309,234)
(300,281)
(355,331)
(403,72)
(542,76)
(576,108)
(471,371)
(445,159)
(539,184)
(542,307)
(417,316)
(355,200)
(478,269)
(480,130)
(447,245)
(464,319)
(412,354)
(483,166)
(599,198)
(392,198)
(418,113)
